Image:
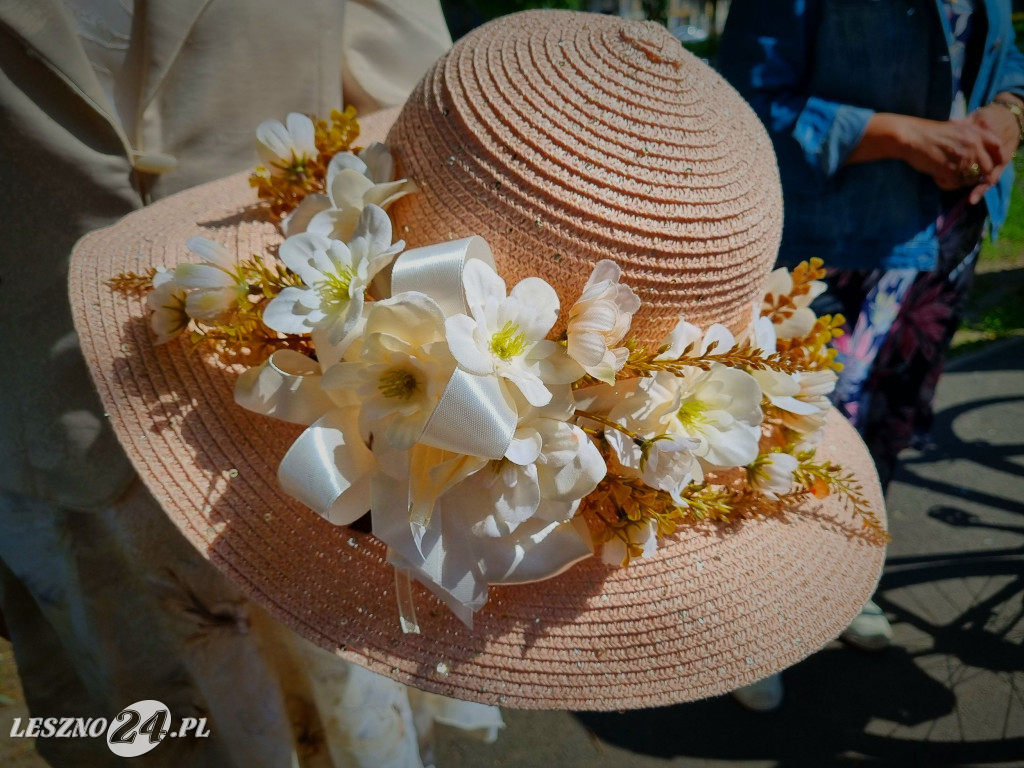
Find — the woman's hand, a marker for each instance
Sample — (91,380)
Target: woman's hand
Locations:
(1003,123)
(946,150)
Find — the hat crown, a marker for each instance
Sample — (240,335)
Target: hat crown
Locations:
(564,138)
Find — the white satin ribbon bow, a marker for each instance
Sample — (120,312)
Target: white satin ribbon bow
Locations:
(416,509)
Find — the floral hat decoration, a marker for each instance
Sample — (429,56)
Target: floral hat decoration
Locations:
(512,408)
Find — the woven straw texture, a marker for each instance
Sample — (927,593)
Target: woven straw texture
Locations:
(715,609)
(564,138)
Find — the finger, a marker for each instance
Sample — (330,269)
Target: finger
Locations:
(978,193)
(992,178)
(980,155)
(995,146)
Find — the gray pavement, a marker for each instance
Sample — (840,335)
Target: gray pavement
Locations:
(951,689)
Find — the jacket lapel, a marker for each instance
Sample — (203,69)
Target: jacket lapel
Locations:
(159,30)
(48,30)
(166,25)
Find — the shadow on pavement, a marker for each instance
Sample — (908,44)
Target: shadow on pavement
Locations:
(831,697)
(951,690)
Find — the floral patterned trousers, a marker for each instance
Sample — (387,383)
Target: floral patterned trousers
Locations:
(899,326)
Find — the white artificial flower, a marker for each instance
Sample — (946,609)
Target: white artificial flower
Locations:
(286,148)
(402,369)
(809,441)
(335,277)
(772,473)
(167,301)
(800,319)
(688,336)
(505,495)
(214,288)
(353,182)
(711,416)
(689,421)
(661,460)
(807,411)
(505,334)
(599,320)
(779,387)
(551,466)
(721,407)
(641,533)
(802,396)
(569,465)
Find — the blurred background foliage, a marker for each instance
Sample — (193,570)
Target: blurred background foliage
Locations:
(464,15)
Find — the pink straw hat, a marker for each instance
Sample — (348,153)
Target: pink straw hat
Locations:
(565,138)
(562,139)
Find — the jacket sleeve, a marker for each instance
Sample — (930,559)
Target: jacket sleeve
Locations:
(765,54)
(389,45)
(1010,77)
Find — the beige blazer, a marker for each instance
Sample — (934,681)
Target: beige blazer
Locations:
(70,161)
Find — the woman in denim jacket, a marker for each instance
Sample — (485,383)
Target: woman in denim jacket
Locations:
(894,123)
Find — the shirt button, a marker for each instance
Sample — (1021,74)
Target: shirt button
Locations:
(153,162)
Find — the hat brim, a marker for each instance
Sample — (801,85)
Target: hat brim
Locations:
(717,607)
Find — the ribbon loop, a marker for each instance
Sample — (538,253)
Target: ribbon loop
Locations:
(286,386)
(436,270)
(328,468)
(474,416)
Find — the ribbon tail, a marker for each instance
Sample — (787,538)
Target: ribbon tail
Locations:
(536,551)
(432,471)
(406,606)
(445,564)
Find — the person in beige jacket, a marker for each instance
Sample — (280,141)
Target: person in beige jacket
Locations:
(105,106)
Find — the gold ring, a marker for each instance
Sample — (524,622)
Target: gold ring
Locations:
(972,172)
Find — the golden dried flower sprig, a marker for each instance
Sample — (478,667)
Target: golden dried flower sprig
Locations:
(781,306)
(284,190)
(643,363)
(238,334)
(132,283)
(243,338)
(822,478)
(338,134)
(814,352)
(621,506)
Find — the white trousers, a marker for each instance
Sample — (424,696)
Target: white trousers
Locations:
(112,607)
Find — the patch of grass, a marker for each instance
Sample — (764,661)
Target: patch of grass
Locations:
(1010,245)
(996,305)
(995,311)
(1002,320)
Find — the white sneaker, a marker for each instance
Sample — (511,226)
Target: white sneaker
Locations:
(870,631)
(762,696)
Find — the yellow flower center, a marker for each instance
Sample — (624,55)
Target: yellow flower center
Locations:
(334,290)
(509,342)
(297,168)
(397,383)
(691,414)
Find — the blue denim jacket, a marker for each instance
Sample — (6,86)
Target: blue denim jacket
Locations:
(815,71)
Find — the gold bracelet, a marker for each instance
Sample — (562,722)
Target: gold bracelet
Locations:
(1018,115)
